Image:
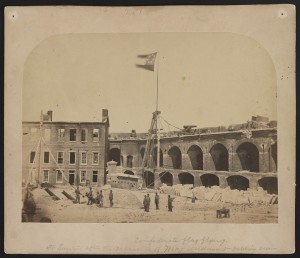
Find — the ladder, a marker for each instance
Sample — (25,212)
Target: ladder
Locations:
(151,131)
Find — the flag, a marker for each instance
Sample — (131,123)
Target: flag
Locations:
(150,61)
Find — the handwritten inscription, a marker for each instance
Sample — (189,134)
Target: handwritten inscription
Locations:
(188,240)
(132,12)
(62,248)
(185,244)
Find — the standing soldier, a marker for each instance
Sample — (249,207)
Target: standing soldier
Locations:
(90,197)
(77,192)
(97,199)
(170,203)
(145,203)
(193,198)
(156,200)
(101,198)
(111,197)
(148,203)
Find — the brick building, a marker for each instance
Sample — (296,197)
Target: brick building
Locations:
(65,152)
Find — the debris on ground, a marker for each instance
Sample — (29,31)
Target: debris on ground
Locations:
(245,207)
(225,195)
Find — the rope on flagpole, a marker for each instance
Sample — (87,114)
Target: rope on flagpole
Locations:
(157,81)
(170,124)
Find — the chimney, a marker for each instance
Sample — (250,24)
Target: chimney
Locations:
(49,113)
(133,133)
(104,115)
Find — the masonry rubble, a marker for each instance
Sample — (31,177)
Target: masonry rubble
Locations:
(225,195)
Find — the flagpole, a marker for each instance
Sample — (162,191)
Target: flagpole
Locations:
(157,118)
(150,65)
(157,82)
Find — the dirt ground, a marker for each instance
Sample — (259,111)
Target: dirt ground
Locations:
(128,208)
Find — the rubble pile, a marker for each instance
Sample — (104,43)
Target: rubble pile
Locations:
(171,190)
(225,195)
(178,190)
(124,199)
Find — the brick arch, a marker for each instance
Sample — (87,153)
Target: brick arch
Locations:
(238,182)
(209,180)
(269,184)
(166,177)
(226,144)
(196,156)
(175,154)
(237,143)
(115,155)
(186,178)
(248,155)
(171,145)
(220,156)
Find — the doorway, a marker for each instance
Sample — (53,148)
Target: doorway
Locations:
(71,177)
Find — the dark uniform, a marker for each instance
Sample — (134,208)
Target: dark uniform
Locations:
(170,205)
(97,199)
(156,200)
(111,197)
(101,199)
(90,197)
(77,192)
(194,199)
(148,201)
(145,203)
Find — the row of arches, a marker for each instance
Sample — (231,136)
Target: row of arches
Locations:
(270,184)
(247,153)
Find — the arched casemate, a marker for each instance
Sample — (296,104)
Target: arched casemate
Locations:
(248,156)
(166,178)
(219,155)
(175,155)
(196,157)
(209,180)
(186,178)
(115,155)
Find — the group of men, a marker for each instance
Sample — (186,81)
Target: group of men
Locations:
(98,200)
(147,201)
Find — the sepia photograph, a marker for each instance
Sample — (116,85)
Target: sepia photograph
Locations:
(150,130)
(186,133)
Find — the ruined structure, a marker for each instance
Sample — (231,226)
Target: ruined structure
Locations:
(69,152)
(239,156)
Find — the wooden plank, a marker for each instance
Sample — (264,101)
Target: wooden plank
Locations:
(52,194)
(68,196)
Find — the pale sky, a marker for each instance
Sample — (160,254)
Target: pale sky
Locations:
(205,79)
